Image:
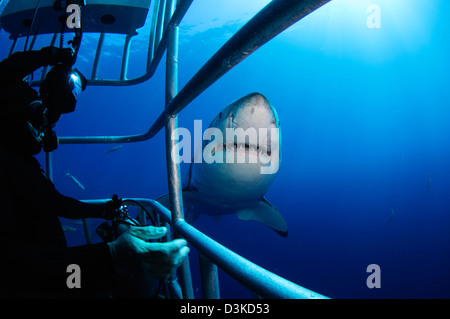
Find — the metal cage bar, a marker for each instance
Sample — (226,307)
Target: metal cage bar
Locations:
(156,49)
(269,22)
(151,40)
(160,22)
(209,277)
(125,57)
(173,163)
(255,278)
(98,54)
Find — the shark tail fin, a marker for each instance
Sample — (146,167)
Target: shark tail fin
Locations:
(265,213)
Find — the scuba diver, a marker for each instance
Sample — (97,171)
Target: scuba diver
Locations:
(33,250)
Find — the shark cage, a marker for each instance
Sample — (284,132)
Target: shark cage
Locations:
(24,19)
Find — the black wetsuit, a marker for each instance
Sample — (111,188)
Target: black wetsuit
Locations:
(33,252)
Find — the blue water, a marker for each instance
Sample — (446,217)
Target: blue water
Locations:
(365,120)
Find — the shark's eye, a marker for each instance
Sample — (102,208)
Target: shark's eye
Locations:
(220,115)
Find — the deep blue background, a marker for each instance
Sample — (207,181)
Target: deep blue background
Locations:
(365,122)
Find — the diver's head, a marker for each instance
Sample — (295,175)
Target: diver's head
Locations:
(59,92)
(60,89)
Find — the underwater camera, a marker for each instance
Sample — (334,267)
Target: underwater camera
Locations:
(109,231)
(60,89)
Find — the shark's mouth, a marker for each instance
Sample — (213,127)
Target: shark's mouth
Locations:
(248,148)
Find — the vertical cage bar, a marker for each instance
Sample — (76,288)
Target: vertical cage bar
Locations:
(151,41)
(173,168)
(156,218)
(173,172)
(210,278)
(97,56)
(33,42)
(125,58)
(160,23)
(13,46)
(168,13)
(172,153)
(166,238)
(141,217)
(49,165)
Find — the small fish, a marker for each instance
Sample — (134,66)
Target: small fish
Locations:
(75,181)
(429,184)
(68,229)
(390,217)
(116,148)
(72,221)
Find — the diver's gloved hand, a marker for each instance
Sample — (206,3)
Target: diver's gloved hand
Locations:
(111,210)
(54,55)
(132,254)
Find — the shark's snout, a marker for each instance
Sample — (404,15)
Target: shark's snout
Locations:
(247,116)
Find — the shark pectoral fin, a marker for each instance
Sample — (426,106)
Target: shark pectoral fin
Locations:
(265,213)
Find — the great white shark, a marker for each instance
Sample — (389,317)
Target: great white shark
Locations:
(222,187)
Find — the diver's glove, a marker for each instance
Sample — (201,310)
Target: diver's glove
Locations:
(111,210)
(54,55)
(132,254)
